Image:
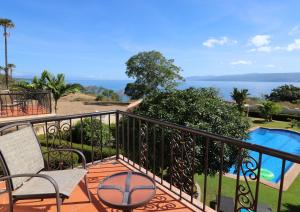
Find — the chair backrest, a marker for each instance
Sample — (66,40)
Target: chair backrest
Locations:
(21,153)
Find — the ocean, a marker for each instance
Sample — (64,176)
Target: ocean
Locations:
(256,89)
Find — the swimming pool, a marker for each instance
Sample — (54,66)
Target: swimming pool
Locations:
(283,140)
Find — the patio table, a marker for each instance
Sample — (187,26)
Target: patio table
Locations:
(126,190)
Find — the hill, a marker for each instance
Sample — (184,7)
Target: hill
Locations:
(253,77)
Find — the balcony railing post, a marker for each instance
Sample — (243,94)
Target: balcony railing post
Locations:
(117,134)
(50,102)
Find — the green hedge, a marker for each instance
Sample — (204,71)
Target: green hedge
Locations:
(93,129)
(278,117)
(87,150)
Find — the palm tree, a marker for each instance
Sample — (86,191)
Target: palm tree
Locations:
(36,84)
(6,23)
(240,96)
(58,86)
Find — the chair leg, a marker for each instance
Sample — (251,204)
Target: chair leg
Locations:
(58,203)
(87,189)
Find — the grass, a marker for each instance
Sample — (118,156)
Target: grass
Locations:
(267,195)
(259,122)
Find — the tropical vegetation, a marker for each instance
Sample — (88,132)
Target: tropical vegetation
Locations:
(201,109)
(240,96)
(47,81)
(6,24)
(268,108)
(152,72)
(288,93)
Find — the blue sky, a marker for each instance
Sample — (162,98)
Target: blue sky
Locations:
(94,39)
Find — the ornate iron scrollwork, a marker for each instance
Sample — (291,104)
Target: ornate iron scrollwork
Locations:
(182,154)
(245,195)
(144,145)
(58,137)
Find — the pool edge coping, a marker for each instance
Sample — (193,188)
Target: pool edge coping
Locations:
(290,175)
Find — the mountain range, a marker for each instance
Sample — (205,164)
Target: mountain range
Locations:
(253,77)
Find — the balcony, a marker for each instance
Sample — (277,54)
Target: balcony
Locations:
(115,141)
(15,104)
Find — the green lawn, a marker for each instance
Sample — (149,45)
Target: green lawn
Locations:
(267,195)
(274,124)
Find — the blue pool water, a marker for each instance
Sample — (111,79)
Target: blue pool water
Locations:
(282,140)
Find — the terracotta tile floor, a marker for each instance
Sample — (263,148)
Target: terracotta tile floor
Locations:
(78,200)
(17,111)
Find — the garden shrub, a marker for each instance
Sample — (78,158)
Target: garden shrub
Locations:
(93,130)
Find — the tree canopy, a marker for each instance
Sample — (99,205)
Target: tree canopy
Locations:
(288,93)
(152,72)
(268,109)
(201,109)
(240,96)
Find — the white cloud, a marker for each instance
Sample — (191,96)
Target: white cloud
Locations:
(294,46)
(294,31)
(260,40)
(213,41)
(270,66)
(262,49)
(241,62)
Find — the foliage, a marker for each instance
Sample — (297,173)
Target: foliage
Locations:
(93,130)
(267,194)
(58,86)
(152,72)
(294,123)
(55,84)
(6,23)
(36,83)
(268,108)
(108,95)
(93,89)
(240,96)
(201,109)
(87,150)
(288,93)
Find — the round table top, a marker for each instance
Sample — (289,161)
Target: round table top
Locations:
(126,190)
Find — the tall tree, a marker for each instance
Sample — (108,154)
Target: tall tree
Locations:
(6,23)
(240,96)
(152,72)
(288,93)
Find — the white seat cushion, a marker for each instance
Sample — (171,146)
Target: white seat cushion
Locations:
(67,180)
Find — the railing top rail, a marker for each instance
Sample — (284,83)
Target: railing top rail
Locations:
(58,118)
(214,137)
(219,138)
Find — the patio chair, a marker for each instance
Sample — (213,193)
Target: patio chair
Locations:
(25,171)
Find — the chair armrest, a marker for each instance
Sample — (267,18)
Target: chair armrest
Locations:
(50,179)
(70,150)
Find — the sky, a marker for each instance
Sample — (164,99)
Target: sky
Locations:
(93,39)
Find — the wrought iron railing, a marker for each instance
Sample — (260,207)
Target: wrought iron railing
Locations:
(170,153)
(14,104)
